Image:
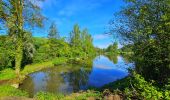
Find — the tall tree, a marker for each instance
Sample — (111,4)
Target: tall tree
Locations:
(16,14)
(54,41)
(75,36)
(87,42)
(145,23)
(53,32)
(75,40)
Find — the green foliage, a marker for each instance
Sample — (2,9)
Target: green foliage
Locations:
(49,49)
(81,43)
(7,53)
(141,89)
(59,61)
(48,96)
(119,84)
(127,49)
(86,95)
(13,17)
(53,32)
(74,96)
(112,48)
(28,49)
(6,90)
(146,25)
(7,74)
(136,87)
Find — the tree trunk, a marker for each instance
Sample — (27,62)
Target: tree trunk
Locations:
(19,42)
(18,56)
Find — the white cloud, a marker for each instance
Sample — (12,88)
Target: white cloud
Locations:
(100,36)
(104,67)
(102,45)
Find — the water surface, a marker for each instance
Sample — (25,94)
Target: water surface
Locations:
(72,78)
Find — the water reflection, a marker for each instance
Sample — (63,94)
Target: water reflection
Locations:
(72,78)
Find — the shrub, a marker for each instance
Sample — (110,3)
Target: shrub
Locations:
(143,90)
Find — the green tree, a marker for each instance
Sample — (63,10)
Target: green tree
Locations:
(75,41)
(81,42)
(15,14)
(113,48)
(53,32)
(145,23)
(75,36)
(53,37)
(87,43)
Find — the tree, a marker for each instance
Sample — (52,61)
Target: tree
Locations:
(16,14)
(113,48)
(75,41)
(87,43)
(145,23)
(81,42)
(53,32)
(75,36)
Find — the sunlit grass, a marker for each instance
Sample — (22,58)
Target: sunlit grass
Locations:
(6,90)
(48,96)
(74,96)
(7,74)
(88,95)
(39,66)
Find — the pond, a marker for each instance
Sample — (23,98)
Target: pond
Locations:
(71,78)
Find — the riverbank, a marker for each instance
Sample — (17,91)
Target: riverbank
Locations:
(82,94)
(11,93)
(9,82)
(8,75)
(132,87)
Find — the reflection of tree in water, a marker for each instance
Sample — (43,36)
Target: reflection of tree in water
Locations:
(29,86)
(53,80)
(113,57)
(78,79)
(68,78)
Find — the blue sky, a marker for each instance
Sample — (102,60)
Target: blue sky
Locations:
(91,14)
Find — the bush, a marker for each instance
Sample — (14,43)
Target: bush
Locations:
(59,61)
(143,90)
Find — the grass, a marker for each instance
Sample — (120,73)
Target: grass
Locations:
(6,90)
(7,74)
(48,96)
(36,67)
(88,95)
(39,66)
(74,96)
